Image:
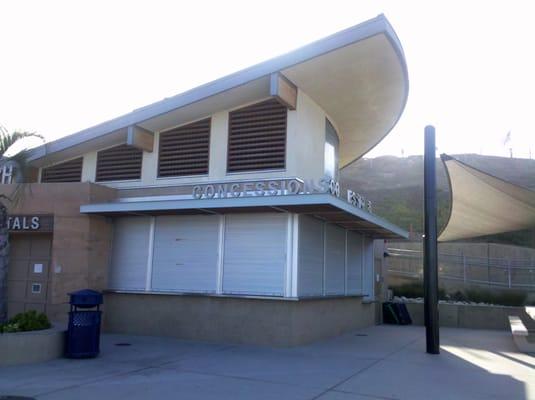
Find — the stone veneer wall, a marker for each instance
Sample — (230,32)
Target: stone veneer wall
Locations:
(275,322)
(81,243)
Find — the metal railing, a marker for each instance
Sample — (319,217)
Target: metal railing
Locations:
(499,272)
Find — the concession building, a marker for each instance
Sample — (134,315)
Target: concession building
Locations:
(217,214)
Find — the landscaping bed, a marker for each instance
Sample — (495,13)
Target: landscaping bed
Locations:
(28,338)
(464,314)
(468,295)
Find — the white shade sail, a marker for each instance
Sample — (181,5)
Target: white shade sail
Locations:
(482,204)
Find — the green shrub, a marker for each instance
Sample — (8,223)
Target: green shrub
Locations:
(476,295)
(8,328)
(503,298)
(458,296)
(415,289)
(27,321)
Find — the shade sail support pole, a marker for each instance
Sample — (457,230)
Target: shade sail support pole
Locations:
(430,245)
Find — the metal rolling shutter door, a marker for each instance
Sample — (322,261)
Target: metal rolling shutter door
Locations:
(255,254)
(335,254)
(129,253)
(368,268)
(185,253)
(354,262)
(310,256)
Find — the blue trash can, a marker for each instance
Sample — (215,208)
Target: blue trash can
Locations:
(83,332)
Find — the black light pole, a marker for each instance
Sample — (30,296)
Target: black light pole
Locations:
(430,244)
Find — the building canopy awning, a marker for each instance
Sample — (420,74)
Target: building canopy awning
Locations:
(324,206)
(482,204)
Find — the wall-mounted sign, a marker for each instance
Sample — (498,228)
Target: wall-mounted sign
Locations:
(6,173)
(279,187)
(30,223)
(10,172)
(358,201)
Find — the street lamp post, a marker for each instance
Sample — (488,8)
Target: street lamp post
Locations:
(430,244)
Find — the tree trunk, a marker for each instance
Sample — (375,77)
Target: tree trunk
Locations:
(4,253)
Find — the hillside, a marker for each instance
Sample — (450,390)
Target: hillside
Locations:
(395,186)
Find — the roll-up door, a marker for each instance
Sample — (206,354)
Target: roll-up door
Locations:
(130,251)
(311,243)
(368,268)
(335,254)
(185,253)
(255,253)
(354,263)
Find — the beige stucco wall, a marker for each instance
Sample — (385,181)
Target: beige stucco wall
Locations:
(471,316)
(235,320)
(31,347)
(80,244)
(304,155)
(306,139)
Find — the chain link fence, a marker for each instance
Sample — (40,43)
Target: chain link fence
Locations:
(484,271)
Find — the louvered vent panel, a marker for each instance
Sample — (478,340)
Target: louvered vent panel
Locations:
(185,150)
(68,171)
(119,163)
(257,137)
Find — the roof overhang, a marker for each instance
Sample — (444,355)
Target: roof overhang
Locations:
(323,206)
(362,86)
(359,76)
(482,204)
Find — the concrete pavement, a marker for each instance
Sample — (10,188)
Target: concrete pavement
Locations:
(380,362)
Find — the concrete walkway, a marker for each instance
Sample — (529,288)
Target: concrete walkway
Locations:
(381,362)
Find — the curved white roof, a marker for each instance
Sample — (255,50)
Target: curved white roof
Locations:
(358,76)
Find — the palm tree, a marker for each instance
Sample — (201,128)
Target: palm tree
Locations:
(18,164)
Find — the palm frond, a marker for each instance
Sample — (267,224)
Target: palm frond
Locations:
(8,139)
(22,170)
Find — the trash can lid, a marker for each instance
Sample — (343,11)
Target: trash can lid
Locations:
(86,297)
(86,292)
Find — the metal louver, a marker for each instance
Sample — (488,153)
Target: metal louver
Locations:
(257,137)
(185,150)
(68,171)
(119,163)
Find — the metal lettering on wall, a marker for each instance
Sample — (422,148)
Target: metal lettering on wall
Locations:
(6,174)
(30,223)
(10,172)
(281,187)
